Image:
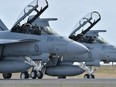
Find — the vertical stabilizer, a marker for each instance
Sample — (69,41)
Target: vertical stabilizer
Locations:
(2,26)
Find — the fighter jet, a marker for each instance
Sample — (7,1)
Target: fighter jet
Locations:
(24,40)
(64,67)
(99,50)
(52,66)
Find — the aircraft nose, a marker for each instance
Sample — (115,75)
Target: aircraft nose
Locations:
(76,48)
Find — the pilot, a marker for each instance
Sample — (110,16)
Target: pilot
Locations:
(73,37)
(24,28)
(94,38)
(30,30)
(90,39)
(79,37)
(17,28)
(27,28)
(37,30)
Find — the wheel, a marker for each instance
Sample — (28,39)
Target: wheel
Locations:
(24,75)
(33,74)
(39,75)
(61,77)
(7,75)
(87,76)
(92,76)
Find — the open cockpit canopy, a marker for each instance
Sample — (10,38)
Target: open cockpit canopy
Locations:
(85,24)
(36,8)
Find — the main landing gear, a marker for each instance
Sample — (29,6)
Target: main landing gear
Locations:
(34,74)
(36,70)
(37,74)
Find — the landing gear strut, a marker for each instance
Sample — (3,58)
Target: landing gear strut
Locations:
(89,70)
(37,71)
(7,75)
(37,68)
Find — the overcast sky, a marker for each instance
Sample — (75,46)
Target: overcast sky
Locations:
(68,12)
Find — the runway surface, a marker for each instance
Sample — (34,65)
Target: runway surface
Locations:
(59,83)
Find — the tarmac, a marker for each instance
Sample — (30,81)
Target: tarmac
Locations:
(105,77)
(59,83)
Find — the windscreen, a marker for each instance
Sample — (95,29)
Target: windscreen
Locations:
(101,40)
(48,31)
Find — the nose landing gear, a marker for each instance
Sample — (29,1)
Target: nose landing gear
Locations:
(89,76)
(89,70)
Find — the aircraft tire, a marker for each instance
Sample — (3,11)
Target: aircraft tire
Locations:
(33,74)
(7,75)
(24,75)
(40,75)
(87,76)
(92,76)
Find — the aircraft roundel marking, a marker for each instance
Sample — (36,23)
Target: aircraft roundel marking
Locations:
(36,47)
(89,54)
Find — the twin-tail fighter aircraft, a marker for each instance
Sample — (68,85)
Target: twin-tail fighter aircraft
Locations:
(99,49)
(64,66)
(24,40)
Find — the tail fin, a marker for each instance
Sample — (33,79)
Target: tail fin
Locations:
(2,26)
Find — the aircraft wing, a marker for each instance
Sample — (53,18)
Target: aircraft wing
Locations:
(7,37)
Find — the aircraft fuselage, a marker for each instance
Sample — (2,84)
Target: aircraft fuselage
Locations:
(98,52)
(17,44)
